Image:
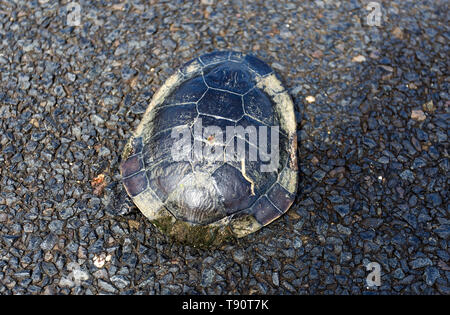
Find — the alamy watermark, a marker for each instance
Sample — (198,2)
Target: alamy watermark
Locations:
(374,17)
(212,143)
(73,10)
(374,277)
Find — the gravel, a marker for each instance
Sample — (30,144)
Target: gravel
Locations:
(372,112)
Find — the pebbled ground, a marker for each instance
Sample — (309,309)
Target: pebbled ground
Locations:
(372,108)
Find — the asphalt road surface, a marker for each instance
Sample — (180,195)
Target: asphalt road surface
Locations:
(371,97)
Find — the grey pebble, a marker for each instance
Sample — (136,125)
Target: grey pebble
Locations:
(105,286)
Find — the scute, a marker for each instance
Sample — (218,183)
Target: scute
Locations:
(235,190)
(168,117)
(259,106)
(196,200)
(158,149)
(221,104)
(280,197)
(188,92)
(213,139)
(261,180)
(165,177)
(264,211)
(258,65)
(136,184)
(131,166)
(230,76)
(214,121)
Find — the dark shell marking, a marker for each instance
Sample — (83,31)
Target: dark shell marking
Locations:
(223,89)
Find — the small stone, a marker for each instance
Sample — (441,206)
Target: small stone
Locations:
(278,66)
(104,152)
(22,274)
(407,175)
(372,223)
(344,230)
(412,86)
(429,107)
(310,99)
(298,243)
(433,152)
(24,81)
(397,32)
(435,199)
(399,274)
(120,281)
(49,242)
(387,68)
(100,260)
(238,256)
(207,2)
(420,263)
(65,282)
(111,100)
(374,55)
(275,279)
(359,58)
(443,231)
(314,160)
(118,6)
(343,210)
(101,274)
(59,91)
(369,142)
(208,276)
(128,73)
(106,286)
(121,49)
(418,115)
(317,54)
(431,274)
(418,163)
(319,175)
(49,268)
(97,120)
(71,77)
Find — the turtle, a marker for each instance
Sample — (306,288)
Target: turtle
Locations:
(193,183)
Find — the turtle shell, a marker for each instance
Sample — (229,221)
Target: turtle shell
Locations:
(215,153)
